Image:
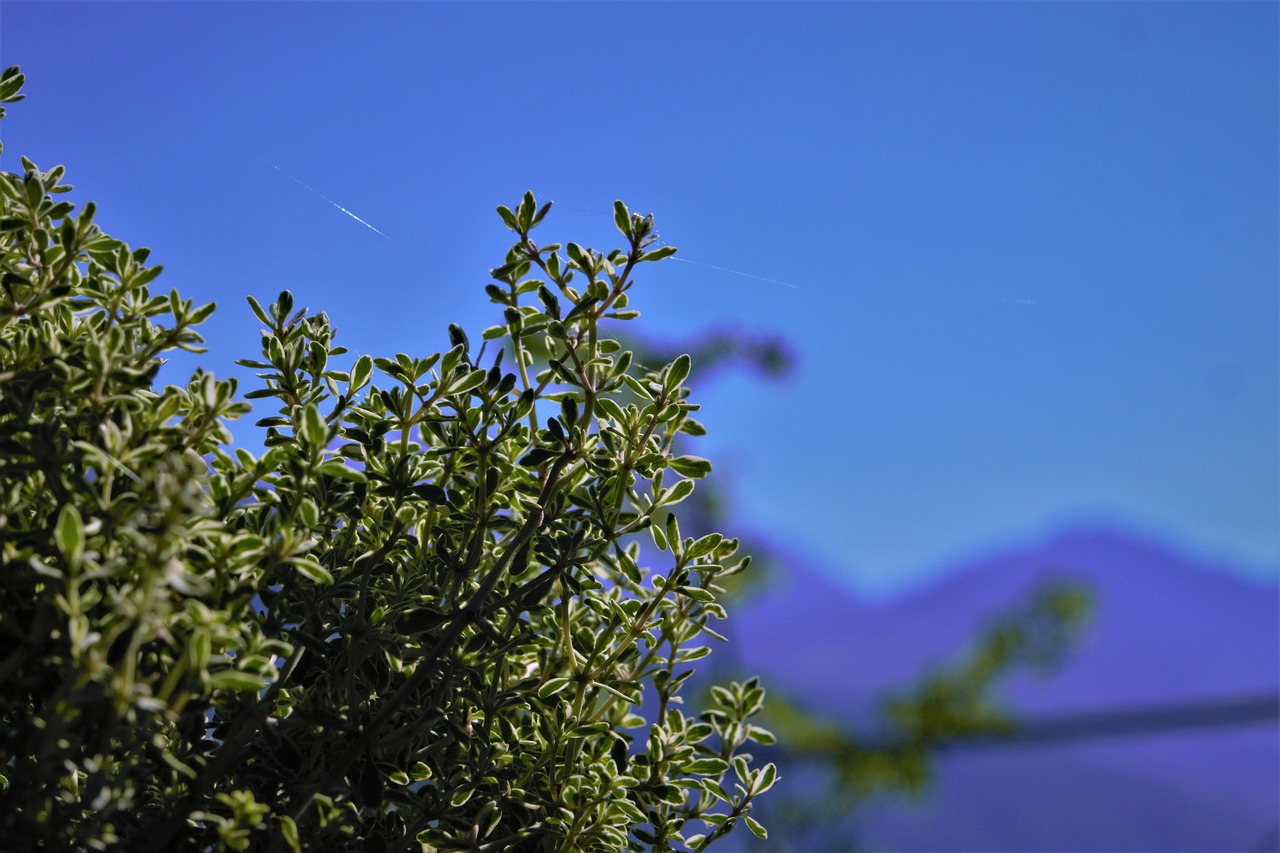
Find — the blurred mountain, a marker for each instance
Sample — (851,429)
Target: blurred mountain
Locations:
(1170,630)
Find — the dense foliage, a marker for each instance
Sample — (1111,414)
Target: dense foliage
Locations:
(420,618)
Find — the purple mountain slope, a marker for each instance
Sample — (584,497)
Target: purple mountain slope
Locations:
(1168,631)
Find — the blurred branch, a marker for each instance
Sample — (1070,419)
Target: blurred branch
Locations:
(956,704)
(722,350)
(1238,711)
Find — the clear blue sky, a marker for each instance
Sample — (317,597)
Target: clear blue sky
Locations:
(1033,246)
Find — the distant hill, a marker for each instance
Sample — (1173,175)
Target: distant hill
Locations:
(1170,630)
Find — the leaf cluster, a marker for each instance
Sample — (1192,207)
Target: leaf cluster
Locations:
(423,617)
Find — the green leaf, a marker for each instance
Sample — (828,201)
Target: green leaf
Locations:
(537,456)
(677,493)
(658,254)
(289,830)
(284,305)
(33,189)
(707,766)
(360,374)
(313,431)
(621,218)
(678,371)
(703,546)
(673,529)
(755,827)
(581,307)
(202,313)
(238,681)
(336,467)
(608,408)
(658,538)
(696,593)
(763,779)
(420,620)
(431,493)
(629,567)
(471,381)
(690,466)
(692,427)
(508,217)
(145,276)
(311,569)
(70,535)
(542,212)
(458,338)
(549,302)
(552,687)
(632,697)
(10,85)
(510,272)
(528,208)
(388,366)
(634,385)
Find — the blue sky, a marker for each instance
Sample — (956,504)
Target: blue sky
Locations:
(1029,250)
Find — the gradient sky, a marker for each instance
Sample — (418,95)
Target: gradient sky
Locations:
(1025,254)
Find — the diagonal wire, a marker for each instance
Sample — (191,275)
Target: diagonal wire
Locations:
(323,196)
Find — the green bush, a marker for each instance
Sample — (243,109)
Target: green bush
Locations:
(419,619)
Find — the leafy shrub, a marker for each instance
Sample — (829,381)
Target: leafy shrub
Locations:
(420,618)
